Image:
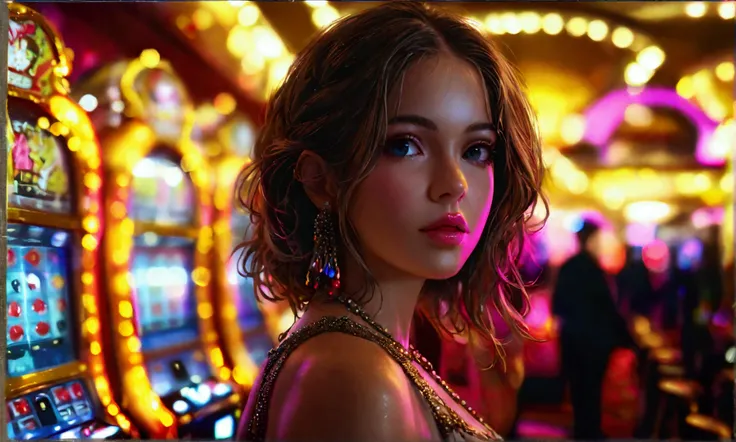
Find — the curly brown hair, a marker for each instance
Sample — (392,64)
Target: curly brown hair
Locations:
(333,103)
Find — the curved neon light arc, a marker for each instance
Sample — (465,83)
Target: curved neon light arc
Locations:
(607,114)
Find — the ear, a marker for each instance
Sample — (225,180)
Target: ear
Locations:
(317,177)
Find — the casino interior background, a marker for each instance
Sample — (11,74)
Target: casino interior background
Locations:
(129,122)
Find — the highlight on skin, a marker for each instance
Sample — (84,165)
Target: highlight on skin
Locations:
(335,102)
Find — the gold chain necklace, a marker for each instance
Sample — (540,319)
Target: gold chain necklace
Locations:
(354,308)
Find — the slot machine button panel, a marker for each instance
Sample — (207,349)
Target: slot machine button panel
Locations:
(82,408)
(77,391)
(45,410)
(50,411)
(67,413)
(61,395)
(221,389)
(29,424)
(21,407)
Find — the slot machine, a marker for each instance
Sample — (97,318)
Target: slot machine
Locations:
(56,384)
(158,244)
(249,328)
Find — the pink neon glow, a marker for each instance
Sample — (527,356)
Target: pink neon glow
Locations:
(640,234)
(605,116)
(705,217)
(656,256)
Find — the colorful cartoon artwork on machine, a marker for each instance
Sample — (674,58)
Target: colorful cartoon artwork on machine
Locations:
(162,193)
(37,304)
(40,177)
(164,98)
(30,57)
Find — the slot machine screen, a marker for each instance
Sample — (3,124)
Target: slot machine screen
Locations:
(165,307)
(163,193)
(250,317)
(39,326)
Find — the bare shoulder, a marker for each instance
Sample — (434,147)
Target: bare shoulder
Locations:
(340,387)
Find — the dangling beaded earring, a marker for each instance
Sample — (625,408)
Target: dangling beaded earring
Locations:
(324,272)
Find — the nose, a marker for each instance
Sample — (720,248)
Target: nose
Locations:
(448,183)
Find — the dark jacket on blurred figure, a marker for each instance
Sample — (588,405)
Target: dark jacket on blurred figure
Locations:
(591,328)
(635,292)
(584,303)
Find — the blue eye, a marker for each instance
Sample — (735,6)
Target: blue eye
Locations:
(402,147)
(479,153)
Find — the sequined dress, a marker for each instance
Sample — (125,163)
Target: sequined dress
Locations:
(451,426)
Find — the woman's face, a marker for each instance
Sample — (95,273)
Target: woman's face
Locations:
(422,210)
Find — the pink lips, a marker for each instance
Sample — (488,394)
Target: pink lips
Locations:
(450,230)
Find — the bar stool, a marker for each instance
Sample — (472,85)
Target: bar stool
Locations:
(671,371)
(702,427)
(678,399)
(662,362)
(724,386)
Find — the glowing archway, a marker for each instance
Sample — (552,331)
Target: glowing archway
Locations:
(608,113)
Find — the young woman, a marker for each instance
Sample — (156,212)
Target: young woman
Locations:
(395,169)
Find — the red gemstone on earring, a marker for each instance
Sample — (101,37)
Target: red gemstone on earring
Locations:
(335,284)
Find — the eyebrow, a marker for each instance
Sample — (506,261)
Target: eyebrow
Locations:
(429,124)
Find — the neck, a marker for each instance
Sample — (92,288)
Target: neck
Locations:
(391,303)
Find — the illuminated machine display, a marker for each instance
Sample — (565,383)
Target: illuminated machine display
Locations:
(248,328)
(158,245)
(56,385)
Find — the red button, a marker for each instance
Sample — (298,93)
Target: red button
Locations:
(62,395)
(30,424)
(42,328)
(77,390)
(14,309)
(21,407)
(16,333)
(39,306)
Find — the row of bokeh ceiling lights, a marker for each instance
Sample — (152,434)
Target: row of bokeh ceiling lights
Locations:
(270,61)
(726,9)
(253,32)
(649,57)
(265,60)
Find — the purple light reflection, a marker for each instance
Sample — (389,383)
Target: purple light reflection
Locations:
(607,114)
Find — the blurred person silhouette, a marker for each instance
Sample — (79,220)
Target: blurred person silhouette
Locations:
(591,328)
(635,291)
(672,287)
(701,288)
